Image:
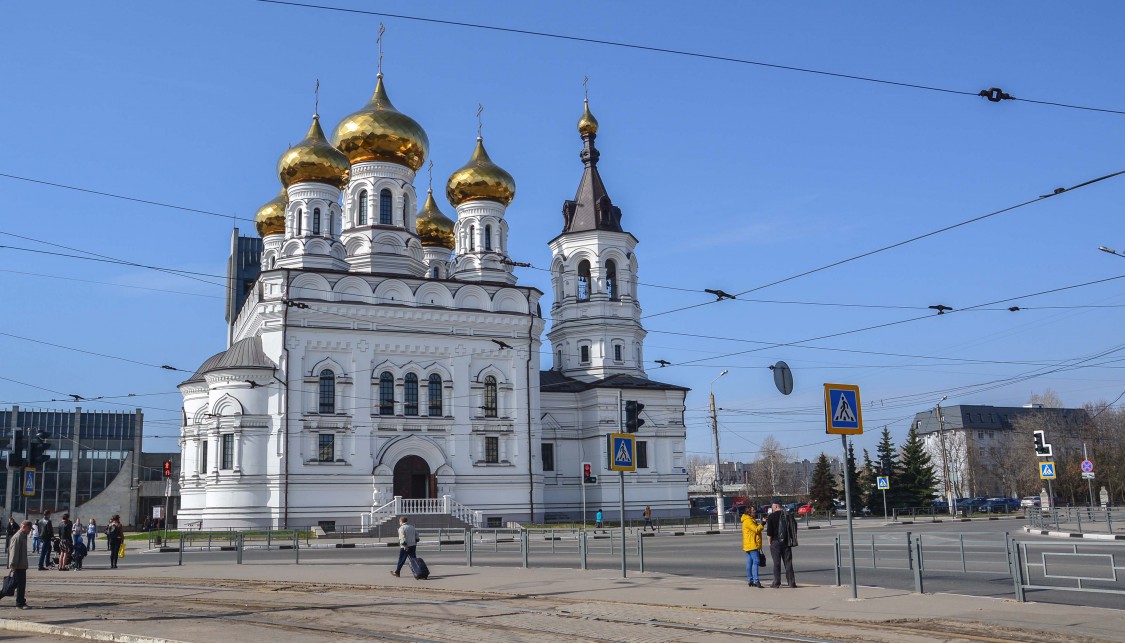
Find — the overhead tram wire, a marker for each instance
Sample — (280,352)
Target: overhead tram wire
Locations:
(898,244)
(165,367)
(992,94)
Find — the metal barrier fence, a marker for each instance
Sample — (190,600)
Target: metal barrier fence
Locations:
(1081,519)
(1067,567)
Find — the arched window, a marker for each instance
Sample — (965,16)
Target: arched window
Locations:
(362,208)
(327,391)
(405,209)
(316,221)
(611,280)
(490,405)
(488,237)
(472,238)
(435,395)
(558,360)
(410,395)
(437,272)
(584,281)
(273,262)
(300,215)
(386,394)
(385,207)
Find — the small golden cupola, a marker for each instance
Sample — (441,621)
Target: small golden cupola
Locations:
(379,132)
(587,124)
(480,180)
(434,228)
(313,160)
(271,216)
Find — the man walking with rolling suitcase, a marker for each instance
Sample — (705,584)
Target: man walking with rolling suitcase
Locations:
(407,543)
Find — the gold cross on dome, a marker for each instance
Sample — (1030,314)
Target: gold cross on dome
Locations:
(316,99)
(586,87)
(379,41)
(480,123)
(431,175)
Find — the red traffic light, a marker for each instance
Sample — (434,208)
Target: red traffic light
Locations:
(586,470)
(167,468)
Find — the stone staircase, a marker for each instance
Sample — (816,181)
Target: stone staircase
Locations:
(441,512)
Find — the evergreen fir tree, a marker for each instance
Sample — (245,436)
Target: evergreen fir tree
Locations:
(853,478)
(869,489)
(823,488)
(917,480)
(887,465)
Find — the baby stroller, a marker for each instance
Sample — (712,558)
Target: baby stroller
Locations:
(78,553)
(58,548)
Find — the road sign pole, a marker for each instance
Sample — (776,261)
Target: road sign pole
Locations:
(583,484)
(884,504)
(621,500)
(848,508)
(1089,482)
(8,499)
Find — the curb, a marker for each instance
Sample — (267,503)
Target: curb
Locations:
(1071,534)
(14,625)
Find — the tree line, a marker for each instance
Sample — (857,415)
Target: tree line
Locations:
(913,479)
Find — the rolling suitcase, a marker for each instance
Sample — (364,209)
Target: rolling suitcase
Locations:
(418,566)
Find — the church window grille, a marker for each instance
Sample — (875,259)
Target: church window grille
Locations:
(410,395)
(326,451)
(386,394)
(548,450)
(488,237)
(435,395)
(363,208)
(584,354)
(300,216)
(611,280)
(316,221)
(584,281)
(492,449)
(385,207)
(472,238)
(228,451)
(490,403)
(617,353)
(327,391)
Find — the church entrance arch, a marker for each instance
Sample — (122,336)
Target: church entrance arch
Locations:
(413,479)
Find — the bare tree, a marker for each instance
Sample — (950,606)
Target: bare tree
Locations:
(697,470)
(769,471)
(1047,399)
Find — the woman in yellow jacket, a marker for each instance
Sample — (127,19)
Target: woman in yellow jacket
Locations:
(752,544)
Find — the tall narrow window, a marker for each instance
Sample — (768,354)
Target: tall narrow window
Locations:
(362,208)
(410,395)
(611,279)
(492,449)
(584,354)
(203,456)
(548,450)
(437,272)
(641,454)
(490,403)
(300,216)
(488,237)
(327,391)
(435,396)
(617,353)
(558,359)
(405,209)
(326,451)
(584,281)
(316,221)
(228,451)
(472,238)
(385,207)
(386,394)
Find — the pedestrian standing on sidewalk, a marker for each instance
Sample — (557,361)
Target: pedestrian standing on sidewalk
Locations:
(13,527)
(407,542)
(46,535)
(18,562)
(91,534)
(597,521)
(35,539)
(752,545)
(781,529)
(114,537)
(648,519)
(65,541)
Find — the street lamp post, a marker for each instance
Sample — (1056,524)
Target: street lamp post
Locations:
(719,509)
(945,457)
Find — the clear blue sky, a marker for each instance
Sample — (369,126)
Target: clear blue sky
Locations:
(731,175)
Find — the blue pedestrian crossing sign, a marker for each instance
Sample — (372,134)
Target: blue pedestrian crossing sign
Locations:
(1047,470)
(842,412)
(883,482)
(622,452)
(28,481)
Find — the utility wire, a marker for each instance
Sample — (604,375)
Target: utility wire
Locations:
(993,94)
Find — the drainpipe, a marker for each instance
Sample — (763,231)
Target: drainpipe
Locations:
(530,445)
(285,407)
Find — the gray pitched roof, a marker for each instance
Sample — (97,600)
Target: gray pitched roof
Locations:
(556,382)
(245,353)
(591,209)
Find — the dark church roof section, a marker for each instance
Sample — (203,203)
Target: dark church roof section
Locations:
(556,382)
(245,353)
(591,209)
(207,365)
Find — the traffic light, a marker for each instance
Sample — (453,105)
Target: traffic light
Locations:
(16,459)
(1042,449)
(633,419)
(587,474)
(37,455)
(167,468)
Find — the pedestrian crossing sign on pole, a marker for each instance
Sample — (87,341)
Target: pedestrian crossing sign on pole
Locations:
(842,412)
(883,482)
(622,452)
(1047,470)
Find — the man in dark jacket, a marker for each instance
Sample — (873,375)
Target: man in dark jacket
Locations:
(46,535)
(17,562)
(778,528)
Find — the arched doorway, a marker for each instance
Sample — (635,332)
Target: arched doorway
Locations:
(412,478)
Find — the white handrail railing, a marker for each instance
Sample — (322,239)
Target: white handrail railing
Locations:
(420,506)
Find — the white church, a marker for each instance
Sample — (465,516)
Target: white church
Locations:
(383,360)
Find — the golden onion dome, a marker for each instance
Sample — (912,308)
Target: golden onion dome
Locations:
(587,124)
(480,180)
(313,160)
(379,132)
(434,228)
(271,216)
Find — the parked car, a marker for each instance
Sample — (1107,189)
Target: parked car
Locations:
(1000,505)
(1030,501)
(841,510)
(804,509)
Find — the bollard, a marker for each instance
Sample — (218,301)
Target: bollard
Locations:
(269,538)
(918,568)
(837,560)
(469,547)
(1017,568)
(208,541)
(181,548)
(238,547)
(961,538)
(909,552)
(1078,514)
(1108,520)
(641,550)
(582,547)
(874,563)
(297,546)
(524,542)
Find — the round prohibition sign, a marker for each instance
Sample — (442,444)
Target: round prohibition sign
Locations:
(1087,466)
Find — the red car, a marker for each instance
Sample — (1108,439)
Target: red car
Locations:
(804,509)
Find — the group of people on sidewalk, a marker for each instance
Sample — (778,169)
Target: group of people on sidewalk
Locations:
(67,541)
(780,527)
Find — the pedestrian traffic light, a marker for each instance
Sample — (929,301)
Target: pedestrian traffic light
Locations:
(37,455)
(167,468)
(587,474)
(633,419)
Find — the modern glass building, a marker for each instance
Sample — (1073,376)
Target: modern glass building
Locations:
(91,452)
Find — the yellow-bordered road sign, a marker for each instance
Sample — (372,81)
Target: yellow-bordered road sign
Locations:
(843,414)
(28,481)
(1047,470)
(622,452)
